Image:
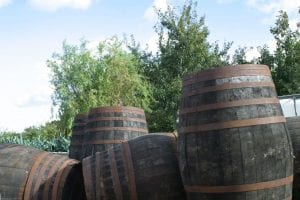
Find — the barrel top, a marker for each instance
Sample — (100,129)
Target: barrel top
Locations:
(227,71)
(117,109)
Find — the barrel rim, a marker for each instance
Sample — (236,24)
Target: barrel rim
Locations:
(208,74)
(131,119)
(116,108)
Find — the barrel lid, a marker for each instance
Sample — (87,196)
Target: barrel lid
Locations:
(227,71)
(117,109)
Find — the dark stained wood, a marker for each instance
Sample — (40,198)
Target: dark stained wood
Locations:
(239,151)
(78,130)
(218,73)
(144,168)
(107,126)
(31,174)
(293,125)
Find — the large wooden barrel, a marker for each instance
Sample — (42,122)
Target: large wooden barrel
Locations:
(233,141)
(112,125)
(144,168)
(293,124)
(31,174)
(75,148)
(170,134)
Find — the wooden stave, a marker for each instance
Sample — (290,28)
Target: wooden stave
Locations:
(30,161)
(141,182)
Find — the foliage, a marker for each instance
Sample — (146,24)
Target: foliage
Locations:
(82,80)
(183,48)
(239,56)
(44,137)
(285,62)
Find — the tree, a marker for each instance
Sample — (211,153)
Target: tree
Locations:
(239,56)
(285,62)
(183,48)
(82,80)
(266,57)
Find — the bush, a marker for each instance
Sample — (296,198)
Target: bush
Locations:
(45,137)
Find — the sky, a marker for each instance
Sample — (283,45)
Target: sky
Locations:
(32,30)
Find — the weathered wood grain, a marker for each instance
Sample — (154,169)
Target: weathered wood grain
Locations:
(31,174)
(112,125)
(221,149)
(144,168)
(77,138)
(293,125)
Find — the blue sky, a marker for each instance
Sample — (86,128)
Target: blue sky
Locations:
(31,30)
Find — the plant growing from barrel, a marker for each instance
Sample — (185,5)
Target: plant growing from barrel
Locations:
(106,77)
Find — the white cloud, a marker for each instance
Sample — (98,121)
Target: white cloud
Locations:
(153,43)
(293,24)
(225,1)
(53,5)
(271,6)
(35,99)
(94,43)
(4,2)
(272,45)
(252,54)
(157,4)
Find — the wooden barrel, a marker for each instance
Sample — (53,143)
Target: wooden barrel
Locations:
(172,135)
(75,148)
(233,141)
(144,168)
(31,174)
(112,125)
(293,124)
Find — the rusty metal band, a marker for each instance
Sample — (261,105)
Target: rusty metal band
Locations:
(81,116)
(99,192)
(240,188)
(62,170)
(117,109)
(78,132)
(23,184)
(40,176)
(118,119)
(76,143)
(228,86)
(32,173)
(128,165)
(114,174)
(124,128)
(87,174)
(51,173)
(229,104)
(102,141)
(62,182)
(233,124)
(227,72)
(79,124)
(202,78)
